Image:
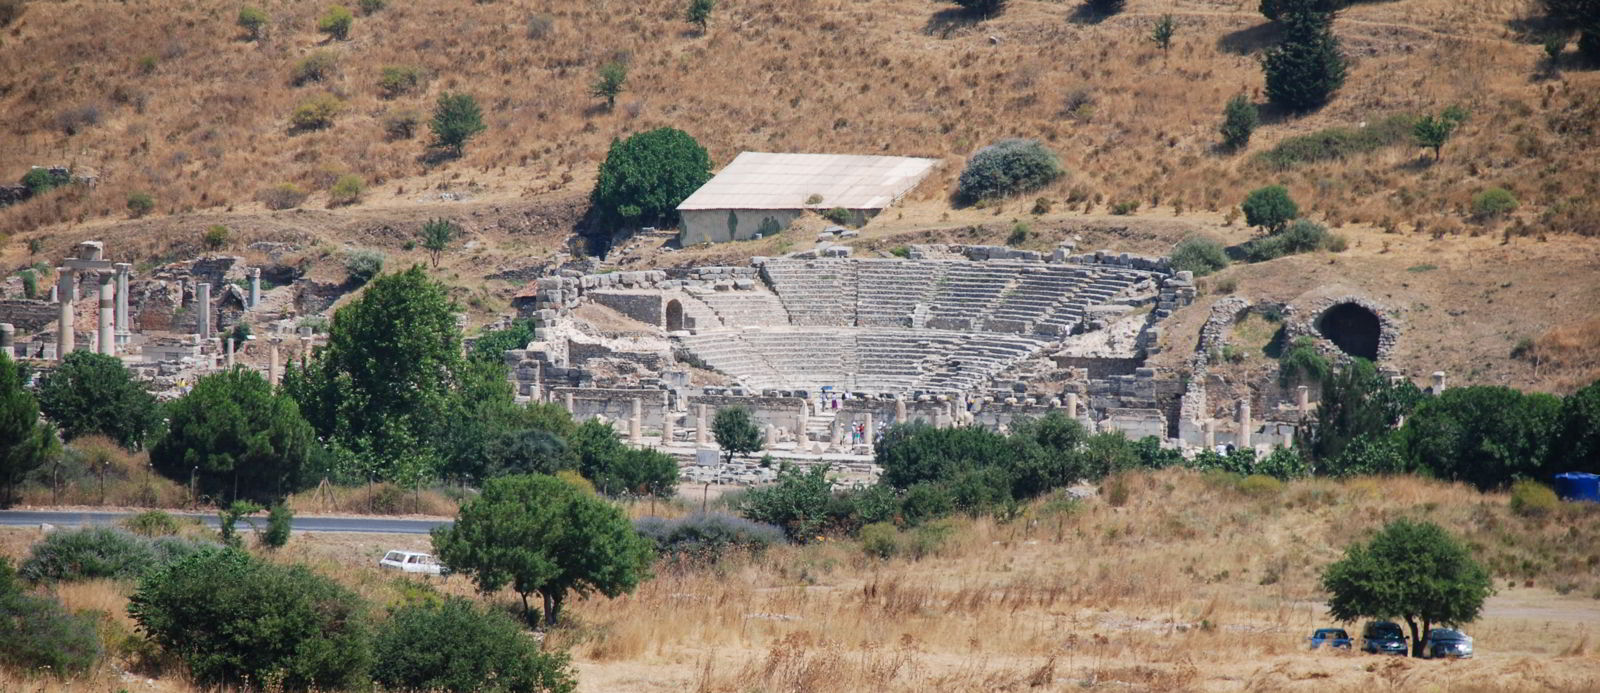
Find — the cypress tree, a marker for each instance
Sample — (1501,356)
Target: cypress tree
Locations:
(1306,69)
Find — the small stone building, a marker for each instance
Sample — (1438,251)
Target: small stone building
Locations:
(760,194)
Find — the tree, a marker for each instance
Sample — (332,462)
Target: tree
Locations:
(1275,9)
(1008,167)
(645,176)
(436,235)
(454,645)
(1306,69)
(237,437)
(25,442)
(1431,132)
(699,13)
(1411,570)
(280,522)
(1270,208)
(1162,32)
(736,433)
(1105,7)
(336,23)
(456,119)
(140,204)
(799,502)
(1048,454)
(235,619)
(542,535)
(1582,16)
(1239,120)
(254,21)
(608,83)
(1578,444)
(1483,435)
(1357,403)
(982,8)
(493,344)
(380,392)
(94,393)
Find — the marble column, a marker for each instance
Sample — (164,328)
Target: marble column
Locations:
(572,405)
(870,431)
(1246,426)
(1210,428)
(67,291)
(636,422)
(272,361)
(229,352)
(108,340)
(124,330)
(1072,405)
(255,287)
(666,428)
(1438,382)
(702,434)
(202,309)
(900,409)
(1302,399)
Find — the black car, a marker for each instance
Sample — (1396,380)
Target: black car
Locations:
(1383,637)
(1447,642)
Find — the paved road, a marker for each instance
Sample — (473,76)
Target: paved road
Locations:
(371,525)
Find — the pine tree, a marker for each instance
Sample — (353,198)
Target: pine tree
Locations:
(1306,69)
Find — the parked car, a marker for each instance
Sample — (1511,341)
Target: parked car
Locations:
(1447,642)
(1383,637)
(411,562)
(1332,637)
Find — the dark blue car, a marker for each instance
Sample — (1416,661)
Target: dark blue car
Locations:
(1383,637)
(1332,637)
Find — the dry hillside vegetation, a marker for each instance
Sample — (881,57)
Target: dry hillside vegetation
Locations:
(1195,582)
(169,98)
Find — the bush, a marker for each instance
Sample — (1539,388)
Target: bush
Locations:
(1338,143)
(837,215)
(235,619)
(280,522)
(1125,207)
(1302,361)
(1304,71)
(880,540)
(10,10)
(1269,208)
(1008,167)
(369,7)
(99,552)
(362,265)
(1257,485)
(37,633)
(30,283)
(316,67)
(647,175)
(1200,255)
(152,523)
(347,190)
(1019,234)
(609,82)
(399,80)
(215,237)
(40,180)
(453,645)
(1530,498)
(75,120)
(1239,120)
(283,196)
(401,124)
(456,119)
(140,204)
(707,536)
(254,22)
(316,112)
(336,23)
(1302,236)
(1493,203)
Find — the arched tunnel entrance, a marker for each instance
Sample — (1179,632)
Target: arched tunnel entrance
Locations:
(674,316)
(1353,328)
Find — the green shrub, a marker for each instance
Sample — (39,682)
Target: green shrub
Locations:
(927,539)
(1019,234)
(1530,498)
(40,180)
(369,7)
(1493,203)
(1125,207)
(316,67)
(280,521)
(453,645)
(362,265)
(1302,361)
(316,112)
(336,23)
(1269,208)
(1008,167)
(1200,255)
(38,634)
(140,204)
(1339,143)
(347,190)
(708,535)
(398,80)
(99,552)
(1302,236)
(215,237)
(235,619)
(152,523)
(30,283)
(254,22)
(283,196)
(880,540)
(837,215)
(1258,485)
(900,251)
(1239,120)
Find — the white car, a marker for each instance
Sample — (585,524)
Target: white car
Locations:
(411,562)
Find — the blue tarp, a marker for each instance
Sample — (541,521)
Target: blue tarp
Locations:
(1578,486)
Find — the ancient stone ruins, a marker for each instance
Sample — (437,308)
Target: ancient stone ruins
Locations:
(823,349)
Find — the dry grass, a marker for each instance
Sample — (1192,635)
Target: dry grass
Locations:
(376,499)
(113,477)
(1568,356)
(199,118)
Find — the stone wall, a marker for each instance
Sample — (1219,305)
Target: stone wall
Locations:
(644,306)
(28,316)
(783,412)
(614,404)
(723,225)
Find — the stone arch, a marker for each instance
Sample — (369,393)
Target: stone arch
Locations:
(1356,329)
(674,315)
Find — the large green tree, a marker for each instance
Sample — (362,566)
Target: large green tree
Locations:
(1486,436)
(1578,444)
(1411,570)
(239,438)
(1582,16)
(1269,208)
(645,176)
(544,536)
(1305,69)
(736,432)
(26,443)
(615,468)
(93,393)
(1357,402)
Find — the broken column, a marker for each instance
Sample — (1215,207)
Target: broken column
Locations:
(68,292)
(1438,382)
(701,435)
(1245,424)
(1210,429)
(1072,405)
(202,310)
(8,336)
(572,404)
(666,428)
(229,352)
(900,409)
(272,361)
(771,437)
(868,433)
(1302,400)
(305,350)
(636,422)
(123,332)
(108,344)
(255,287)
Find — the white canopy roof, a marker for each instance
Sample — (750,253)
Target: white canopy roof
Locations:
(760,180)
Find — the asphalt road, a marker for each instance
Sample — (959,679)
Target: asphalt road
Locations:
(369,525)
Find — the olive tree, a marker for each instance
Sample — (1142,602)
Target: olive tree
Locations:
(1411,570)
(736,433)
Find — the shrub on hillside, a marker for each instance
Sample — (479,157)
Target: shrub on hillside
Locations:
(38,634)
(369,7)
(1303,363)
(1302,236)
(40,180)
(454,645)
(362,265)
(215,237)
(254,22)
(235,619)
(75,120)
(456,119)
(1340,142)
(283,196)
(1008,167)
(982,8)
(647,175)
(1530,498)
(880,540)
(1304,70)
(140,204)
(152,523)
(1200,255)
(347,190)
(336,23)
(399,80)
(98,552)
(1239,120)
(706,536)
(316,67)
(316,112)
(1493,203)
(1269,208)
(401,124)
